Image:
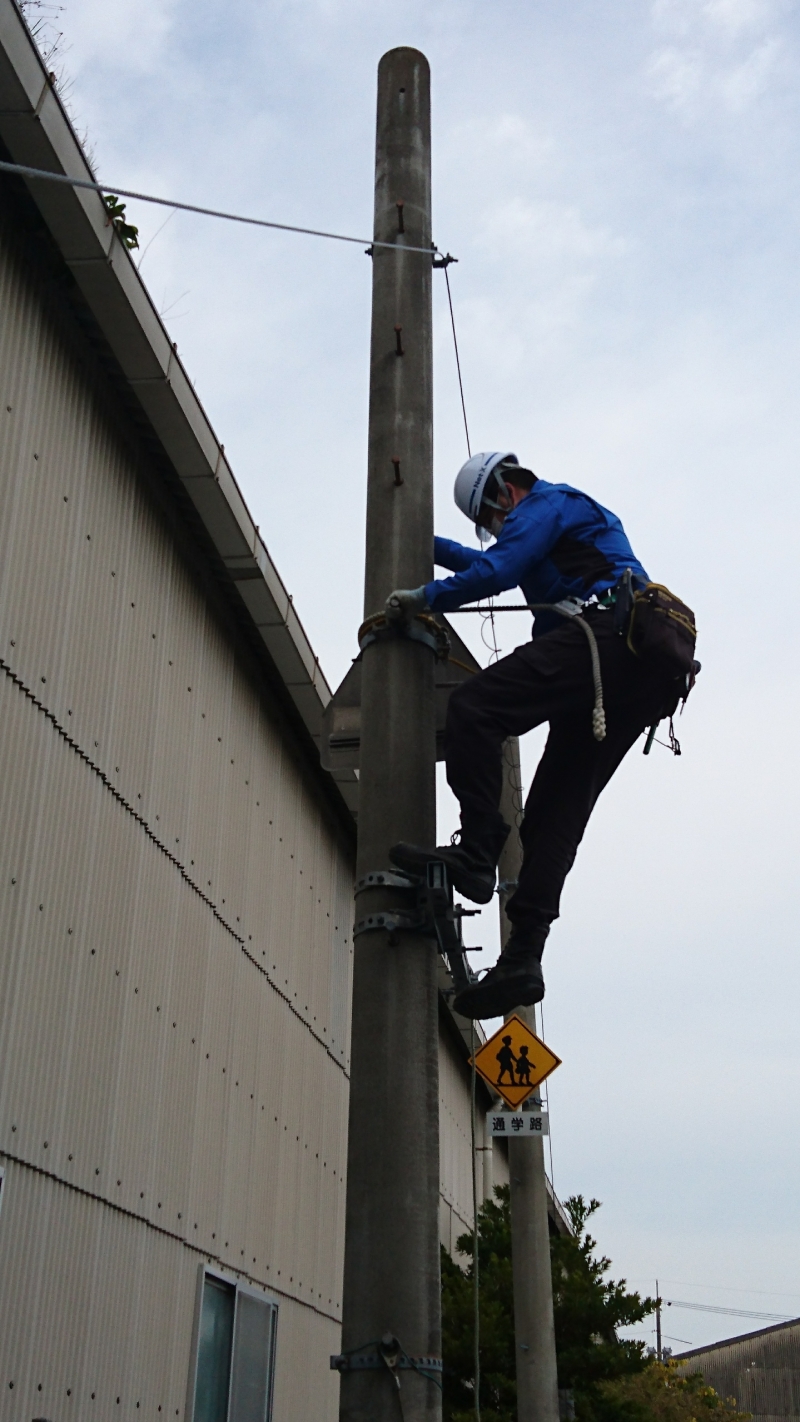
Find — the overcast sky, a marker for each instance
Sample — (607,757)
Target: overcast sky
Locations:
(620,184)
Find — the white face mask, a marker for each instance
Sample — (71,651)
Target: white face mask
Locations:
(498,518)
(485,535)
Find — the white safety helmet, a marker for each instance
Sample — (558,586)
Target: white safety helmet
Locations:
(471,480)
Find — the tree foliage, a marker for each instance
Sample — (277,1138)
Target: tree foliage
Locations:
(128,234)
(498,1389)
(660,1394)
(588,1306)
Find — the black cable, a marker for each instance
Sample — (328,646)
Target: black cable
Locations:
(732,1312)
(476,1288)
(105,188)
(458,360)
(488,612)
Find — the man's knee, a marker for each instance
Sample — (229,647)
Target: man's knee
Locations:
(461,708)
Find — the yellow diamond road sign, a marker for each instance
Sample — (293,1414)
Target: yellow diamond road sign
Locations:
(515,1060)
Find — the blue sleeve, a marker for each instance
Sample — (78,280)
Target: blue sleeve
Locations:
(447,554)
(526,539)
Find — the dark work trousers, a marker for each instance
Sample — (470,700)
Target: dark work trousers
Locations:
(548,679)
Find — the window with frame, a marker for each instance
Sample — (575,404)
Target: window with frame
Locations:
(232,1369)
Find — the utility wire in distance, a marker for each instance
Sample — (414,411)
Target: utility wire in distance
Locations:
(732,1312)
(23,172)
(722,1288)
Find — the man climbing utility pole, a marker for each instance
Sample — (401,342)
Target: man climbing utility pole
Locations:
(611,654)
(391,1332)
(534,1327)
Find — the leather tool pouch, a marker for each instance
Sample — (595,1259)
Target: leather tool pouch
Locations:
(662,631)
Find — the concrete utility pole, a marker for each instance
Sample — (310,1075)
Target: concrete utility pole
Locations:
(659,1349)
(391,1272)
(537,1378)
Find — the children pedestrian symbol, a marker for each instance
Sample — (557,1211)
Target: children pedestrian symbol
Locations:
(507,1062)
(524,1066)
(514,1061)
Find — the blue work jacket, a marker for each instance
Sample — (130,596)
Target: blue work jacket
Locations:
(556,543)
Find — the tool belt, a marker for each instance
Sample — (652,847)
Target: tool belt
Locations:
(662,631)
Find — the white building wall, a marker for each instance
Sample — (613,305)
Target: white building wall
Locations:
(175,917)
(175,913)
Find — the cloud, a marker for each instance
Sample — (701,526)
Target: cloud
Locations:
(554,231)
(722,54)
(130,34)
(554,259)
(505,138)
(724,17)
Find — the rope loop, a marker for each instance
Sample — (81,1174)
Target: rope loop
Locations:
(598,713)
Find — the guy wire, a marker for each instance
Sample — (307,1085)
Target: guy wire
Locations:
(546,1085)
(476,1296)
(22,171)
(476,1264)
(458,361)
(487,614)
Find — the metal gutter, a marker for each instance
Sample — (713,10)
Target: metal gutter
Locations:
(37,131)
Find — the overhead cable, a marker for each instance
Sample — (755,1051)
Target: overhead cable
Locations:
(476,1242)
(458,360)
(727,1288)
(107,188)
(732,1312)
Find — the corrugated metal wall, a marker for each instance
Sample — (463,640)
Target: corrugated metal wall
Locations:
(175,950)
(760,1370)
(121,1284)
(174,934)
(455,1148)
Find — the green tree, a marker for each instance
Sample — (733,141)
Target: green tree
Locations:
(588,1310)
(660,1394)
(498,1390)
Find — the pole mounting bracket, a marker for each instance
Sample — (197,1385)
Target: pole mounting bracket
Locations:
(388,878)
(387,1353)
(430,912)
(355,1362)
(393,922)
(420,628)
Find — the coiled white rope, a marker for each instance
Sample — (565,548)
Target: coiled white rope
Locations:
(574,613)
(598,712)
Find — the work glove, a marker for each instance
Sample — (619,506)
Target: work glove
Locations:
(405,603)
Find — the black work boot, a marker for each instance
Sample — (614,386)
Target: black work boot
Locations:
(516,980)
(472,868)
